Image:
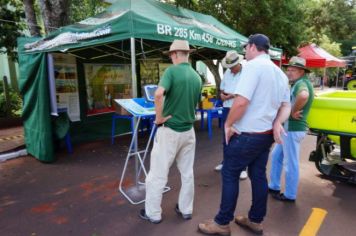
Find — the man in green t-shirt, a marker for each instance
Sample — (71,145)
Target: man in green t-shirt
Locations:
(287,154)
(176,98)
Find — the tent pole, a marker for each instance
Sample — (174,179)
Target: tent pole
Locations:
(134,95)
(133,68)
(324,76)
(343,79)
(52,85)
(337,76)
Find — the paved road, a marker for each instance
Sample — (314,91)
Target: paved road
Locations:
(78,195)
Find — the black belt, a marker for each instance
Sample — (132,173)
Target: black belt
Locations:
(253,133)
(264,132)
(159,125)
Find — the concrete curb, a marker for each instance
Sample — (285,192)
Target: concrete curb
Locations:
(7,156)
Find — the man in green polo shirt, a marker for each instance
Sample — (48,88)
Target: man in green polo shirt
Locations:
(176,98)
(287,154)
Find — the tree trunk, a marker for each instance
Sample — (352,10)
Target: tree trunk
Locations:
(55,13)
(214,68)
(31,18)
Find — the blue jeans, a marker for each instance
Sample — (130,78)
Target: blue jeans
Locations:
(286,155)
(245,150)
(224,117)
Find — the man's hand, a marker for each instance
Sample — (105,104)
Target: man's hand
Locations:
(161,120)
(236,112)
(159,95)
(282,115)
(223,96)
(229,132)
(278,131)
(226,96)
(297,115)
(300,101)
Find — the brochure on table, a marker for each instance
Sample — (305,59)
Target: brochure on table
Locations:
(137,106)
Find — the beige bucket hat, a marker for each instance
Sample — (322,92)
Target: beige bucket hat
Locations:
(298,62)
(179,45)
(231,59)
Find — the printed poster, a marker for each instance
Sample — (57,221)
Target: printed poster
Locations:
(104,83)
(66,83)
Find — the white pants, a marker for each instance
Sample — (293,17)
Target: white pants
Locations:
(168,146)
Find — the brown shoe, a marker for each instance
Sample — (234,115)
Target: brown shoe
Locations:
(245,222)
(210,227)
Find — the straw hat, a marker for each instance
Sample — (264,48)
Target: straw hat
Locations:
(298,62)
(231,59)
(179,45)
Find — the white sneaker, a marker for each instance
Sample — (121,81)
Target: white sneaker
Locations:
(218,167)
(243,175)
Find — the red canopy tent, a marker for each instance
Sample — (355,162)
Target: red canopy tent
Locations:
(317,57)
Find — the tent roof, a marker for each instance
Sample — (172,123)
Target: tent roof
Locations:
(315,56)
(153,24)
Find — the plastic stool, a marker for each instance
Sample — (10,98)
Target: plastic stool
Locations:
(148,121)
(68,143)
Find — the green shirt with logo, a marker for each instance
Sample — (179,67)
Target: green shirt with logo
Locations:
(182,86)
(301,84)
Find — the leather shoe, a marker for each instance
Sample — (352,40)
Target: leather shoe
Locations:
(274,192)
(211,227)
(184,216)
(283,198)
(246,223)
(143,216)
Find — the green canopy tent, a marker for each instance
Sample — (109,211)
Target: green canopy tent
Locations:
(127,30)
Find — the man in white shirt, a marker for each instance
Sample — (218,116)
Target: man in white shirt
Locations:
(254,122)
(232,63)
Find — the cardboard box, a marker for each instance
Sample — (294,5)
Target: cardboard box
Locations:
(119,109)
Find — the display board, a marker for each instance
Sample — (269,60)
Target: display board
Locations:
(162,68)
(149,72)
(66,83)
(104,83)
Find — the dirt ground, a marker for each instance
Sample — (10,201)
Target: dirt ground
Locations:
(78,195)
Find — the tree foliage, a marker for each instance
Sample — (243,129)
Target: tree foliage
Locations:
(10,26)
(334,18)
(331,47)
(82,9)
